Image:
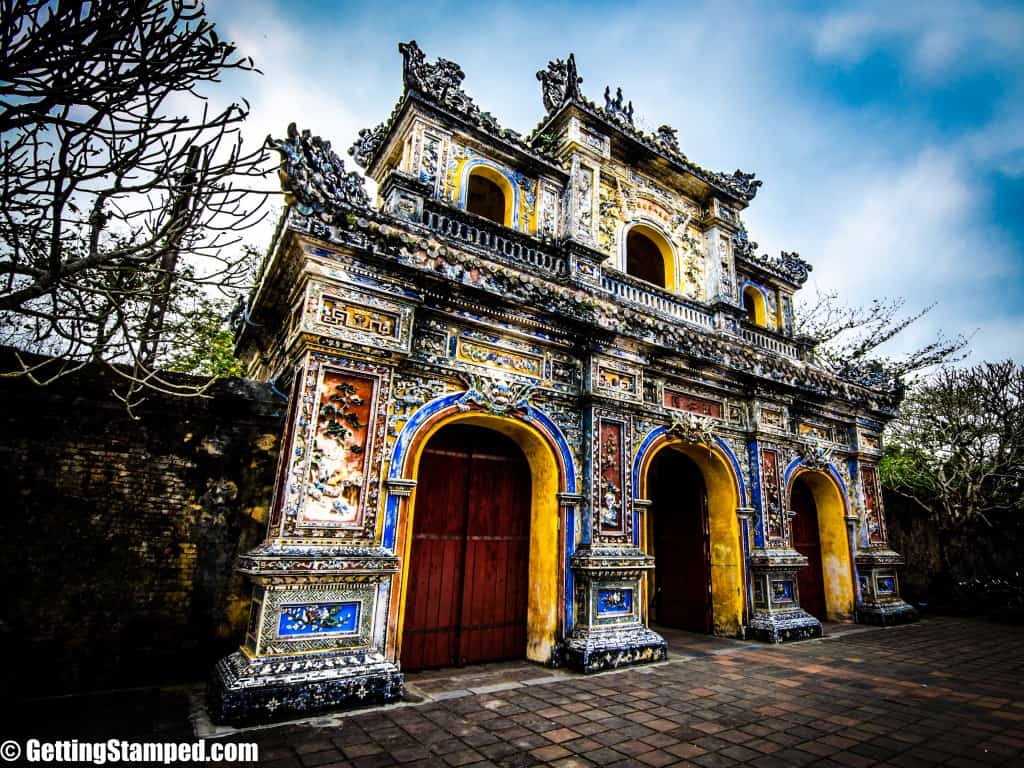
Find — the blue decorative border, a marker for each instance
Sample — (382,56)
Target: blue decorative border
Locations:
(795,464)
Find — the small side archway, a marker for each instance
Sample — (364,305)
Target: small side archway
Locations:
(818,494)
(648,255)
(755,305)
(723,493)
(487,192)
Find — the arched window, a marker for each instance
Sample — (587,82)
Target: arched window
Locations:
(649,257)
(488,195)
(753,303)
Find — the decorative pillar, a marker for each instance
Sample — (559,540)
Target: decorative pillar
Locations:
(609,567)
(777,615)
(877,581)
(322,582)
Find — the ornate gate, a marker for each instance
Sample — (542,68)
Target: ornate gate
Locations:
(467,594)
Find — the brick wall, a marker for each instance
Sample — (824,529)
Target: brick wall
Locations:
(119,535)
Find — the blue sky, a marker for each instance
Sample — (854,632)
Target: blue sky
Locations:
(890,136)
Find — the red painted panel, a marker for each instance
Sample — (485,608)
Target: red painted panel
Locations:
(680,401)
(681,544)
(806,541)
(466,599)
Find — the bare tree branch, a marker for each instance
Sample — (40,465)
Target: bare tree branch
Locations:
(125,193)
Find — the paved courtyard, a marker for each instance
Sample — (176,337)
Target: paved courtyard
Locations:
(940,692)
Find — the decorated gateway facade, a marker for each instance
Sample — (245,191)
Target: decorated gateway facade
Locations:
(545,396)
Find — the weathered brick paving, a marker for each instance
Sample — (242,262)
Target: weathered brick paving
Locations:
(942,692)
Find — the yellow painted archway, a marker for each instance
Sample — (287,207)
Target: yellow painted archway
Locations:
(727,586)
(545,561)
(659,239)
(759,314)
(499,179)
(837,570)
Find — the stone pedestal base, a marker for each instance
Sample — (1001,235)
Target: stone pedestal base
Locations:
(595,650)
(783,626)
(244,690)
(609,630)
(887,615)
(880,601)
(778,616)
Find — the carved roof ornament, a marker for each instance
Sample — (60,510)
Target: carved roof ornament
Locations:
(667,138)
(789,266)
(366,146)
(740,183)
(495,396)
(692,428)
(440,82)
(314,177)
(559,83)
(794,266)
(614,108)
(814,454)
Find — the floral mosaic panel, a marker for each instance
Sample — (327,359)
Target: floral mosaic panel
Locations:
(337,467)
(681,401)
(872,506)
(612,471)
(774,514)
(318,619)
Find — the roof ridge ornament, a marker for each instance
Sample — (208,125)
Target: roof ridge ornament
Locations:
(743,184)
(441,83)
(560,83)
(365,147)
(315,178)
(614,108)
(789,265)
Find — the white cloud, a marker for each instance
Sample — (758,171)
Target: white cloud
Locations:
(937,38)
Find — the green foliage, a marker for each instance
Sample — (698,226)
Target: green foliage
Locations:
(956,452)
(203,345)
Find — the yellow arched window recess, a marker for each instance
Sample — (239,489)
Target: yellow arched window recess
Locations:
(755,306)
(649,257)
(490,194)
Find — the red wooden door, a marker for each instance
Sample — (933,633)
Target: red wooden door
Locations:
(681,546)
(809,581)
(467,590)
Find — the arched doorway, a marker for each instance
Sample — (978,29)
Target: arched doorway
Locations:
(680,543)
(819,531)
(468,583)
(488,194)
(649,257)
(721,494)
(806,541)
